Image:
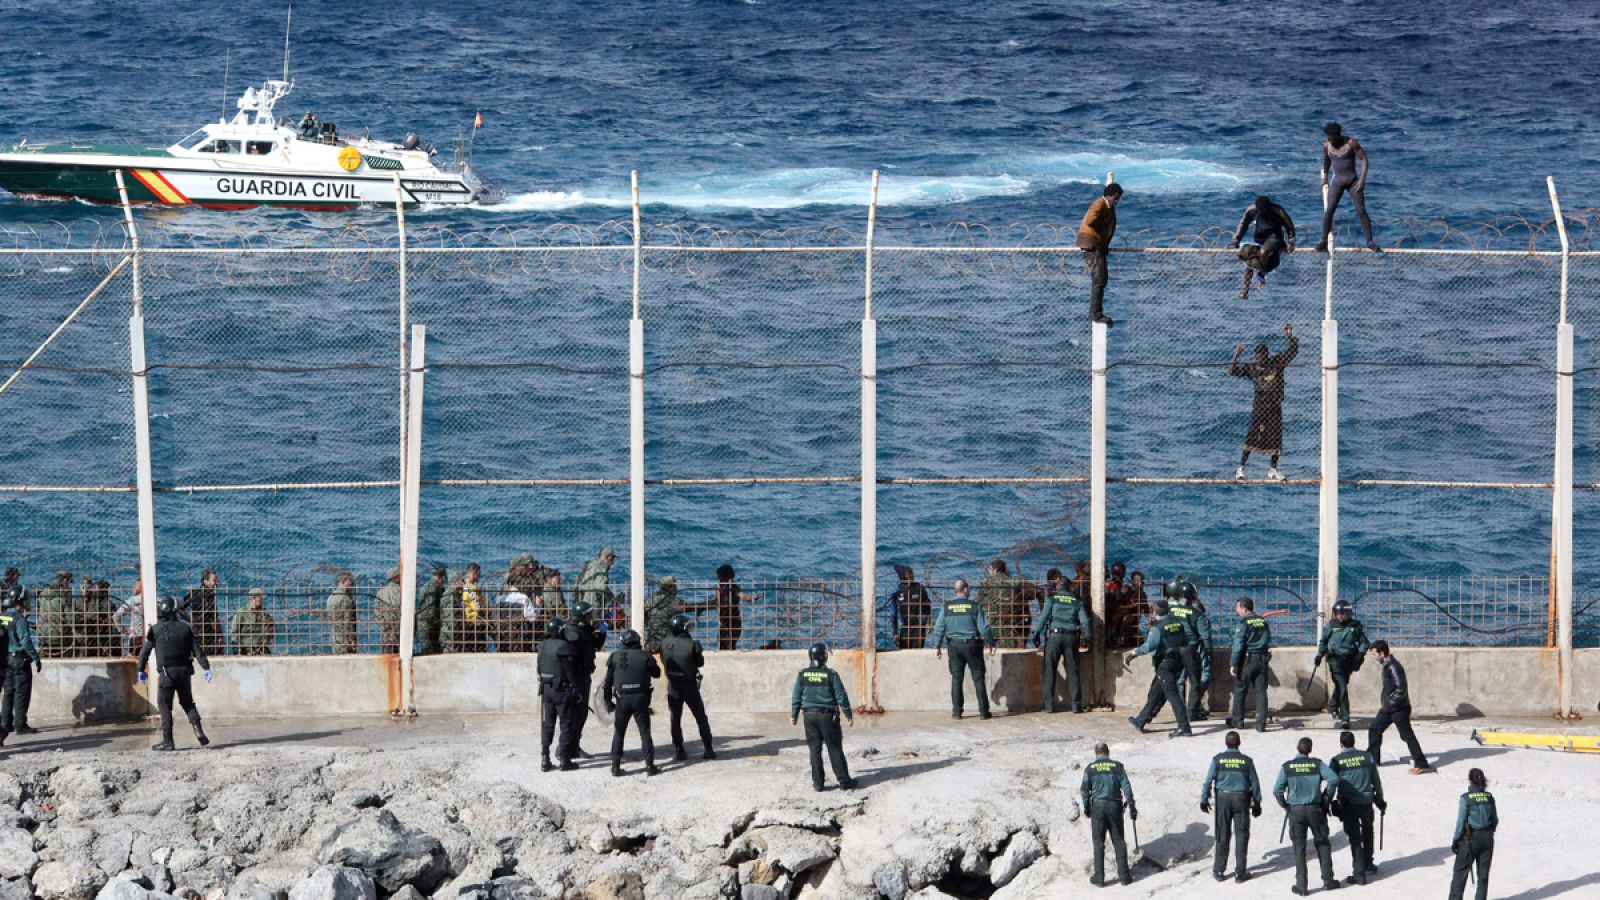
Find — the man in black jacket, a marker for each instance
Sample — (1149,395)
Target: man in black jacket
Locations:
(1274,234)
(172,641)
(683,658)
(1394,708)
(627,688)
(558,695)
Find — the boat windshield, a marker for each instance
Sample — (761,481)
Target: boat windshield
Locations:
(193,140)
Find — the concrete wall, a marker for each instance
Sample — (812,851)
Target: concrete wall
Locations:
(1457,682)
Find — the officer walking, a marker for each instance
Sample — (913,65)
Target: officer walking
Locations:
(1238,799)
(963,622)
(682,657)
(1360,789)
(176,651)
(1063,622)
(586,641)
(558,695)
(1105,792)
(1252,643)
(1305,789)
(1473,840)
(1344,645)
(21,662)
(1167,639)
(627,689)
(1185,605)
(820,695)
(1394,708)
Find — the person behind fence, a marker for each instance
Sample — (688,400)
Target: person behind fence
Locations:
(1063,622)
(254,627)
(552,601)
(886,622)
(173,643)
(85,619)
(471,612)
(586,641)
(1360,789)
(21,663)
(1238,799)
(1166,641)
(663,609)
(1344,645)
(514,613)
(682,657)
(1305,789)
(430,604)
(1473,840)
(1184,604)
(386,610)
(1247,663)
(342,614)
(627,690)
(99,614)
(1394,708)
(964,624)
(558,695)
(594,581)
(1105,792)
(1265,434)
(820,696)
(916,608)
(997,596)
(1339,155)
(130,619)
(200,609)
(1094,239)
(729,604)
(1274,236)
(55,608)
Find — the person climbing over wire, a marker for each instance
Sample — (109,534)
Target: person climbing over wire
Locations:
(1266,415)
(1274,235)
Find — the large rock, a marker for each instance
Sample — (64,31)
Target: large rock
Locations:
(17,858)
(68,880)
(249,888)
(335,883)
(760,892)
(128,889)
(10,791)
(394,856)
(15,889)
(794,850)
(616,886)
(1024,850)
(81,792)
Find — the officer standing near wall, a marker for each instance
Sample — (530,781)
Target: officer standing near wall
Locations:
(1473,840)
(1360,789)
(1105,792)
(173,643)
(1063,622)
(1184,602)
(1167,639)
(1252,645)
(1344,645)
(627,690)
(819,694)
(1305,790)
(586,641)
(558,695)
(21,663)
(1238,799)
(682,657)
(964,624)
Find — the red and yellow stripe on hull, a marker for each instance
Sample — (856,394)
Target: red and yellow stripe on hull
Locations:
(158,185)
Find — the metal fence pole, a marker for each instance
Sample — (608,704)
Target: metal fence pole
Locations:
(869,470)
(405,315)
(1099,335)
(636,431)
(410,521)
(1328,490)
(1561,512)
(143,478)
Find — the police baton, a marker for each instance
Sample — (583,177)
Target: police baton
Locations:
(1284,830)
(1382,816)
(1313,679)
(1135,824)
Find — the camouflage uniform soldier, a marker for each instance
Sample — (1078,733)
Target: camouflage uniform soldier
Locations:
(594,581)
(342,614)
(997,596)
(386,609)
(552,602)
(55,603)
(659,614)
(254,627)
(430,601)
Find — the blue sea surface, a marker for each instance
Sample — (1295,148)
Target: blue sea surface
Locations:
(763,117)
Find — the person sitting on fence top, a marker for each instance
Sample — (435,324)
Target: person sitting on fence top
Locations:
(1274,235)
(1266,413)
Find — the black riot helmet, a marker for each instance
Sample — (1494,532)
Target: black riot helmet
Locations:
(679,625)
(167,609)
(630,640)
(1343,607)
(553,628)
(819,654)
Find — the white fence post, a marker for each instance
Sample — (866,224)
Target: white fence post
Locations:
(1561,512)
(1328,491)
(143,479)
(1099,336)
(411,520)
(405,316)
(869,470)
(636,432)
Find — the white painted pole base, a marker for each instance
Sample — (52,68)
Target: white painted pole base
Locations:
(411,520)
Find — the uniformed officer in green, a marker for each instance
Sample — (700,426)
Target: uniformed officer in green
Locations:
(962,622)
(1062,623)
(1360,789)
(1473,840)
(1252,643)
(430,609)
(1105,792)
(627,688)
(1166,639)
(1238,799)
(21,661)
(1305,790)
(1344,645)
(819,695)
(682,657)
(1185,601)
(558,695)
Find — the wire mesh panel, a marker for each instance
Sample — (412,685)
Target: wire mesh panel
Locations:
(1584,314)
(1470,611)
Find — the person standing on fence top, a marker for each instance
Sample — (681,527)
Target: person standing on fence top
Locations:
(200,610)
(1344,644)
(1339,155)
(342,614)
(430,603)
(254,627)
(1274,235)
(1394,708)
(1266,412)
(386,609)
(1094,239)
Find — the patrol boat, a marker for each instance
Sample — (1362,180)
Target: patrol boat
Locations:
(253,159)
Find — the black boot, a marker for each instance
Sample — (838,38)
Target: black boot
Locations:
(680,755)
(200,734)
(568,765)
(710,753)
(616,769)
(166,741)
(650,768)
(544,763)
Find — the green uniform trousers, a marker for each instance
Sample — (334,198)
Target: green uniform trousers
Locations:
(18,693)
(1164,689)
(1232,822)
(1476,849)
(1339,673)
(1058,646)
(1357,819)
(822,730)
(1105,817)
(1252,676)
(1193,693)
(967,655)
(1310,818)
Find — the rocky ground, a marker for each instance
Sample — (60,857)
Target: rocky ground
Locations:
(458,809)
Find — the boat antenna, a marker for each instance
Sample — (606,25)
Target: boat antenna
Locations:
(227,57)
(288,20)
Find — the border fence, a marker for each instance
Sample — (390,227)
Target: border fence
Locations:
(439,396)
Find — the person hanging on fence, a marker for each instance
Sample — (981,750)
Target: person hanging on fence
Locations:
(254,627)
(1274,236)
(1094,239)
(1339,155)
(342,614)
(1266,412)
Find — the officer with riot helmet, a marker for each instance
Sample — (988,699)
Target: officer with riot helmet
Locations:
(586,641)
(1344,645)
(1186,607)
(682,657)
(1167,639)
(819,694)
(626,691)
(176,651)
(558,695)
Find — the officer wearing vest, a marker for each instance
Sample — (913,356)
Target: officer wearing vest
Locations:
(558,695)
(1105,792)
(819,694)
(1062,623)
(172,641)
(963,623)
(586,641)
(1252,641)
(1473,840)
(627,696)
(1305,789)
(1238,799)
(1344,645)
(20,660)
(1360,789)
(1184,601)
(1166,639)
(682,657)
